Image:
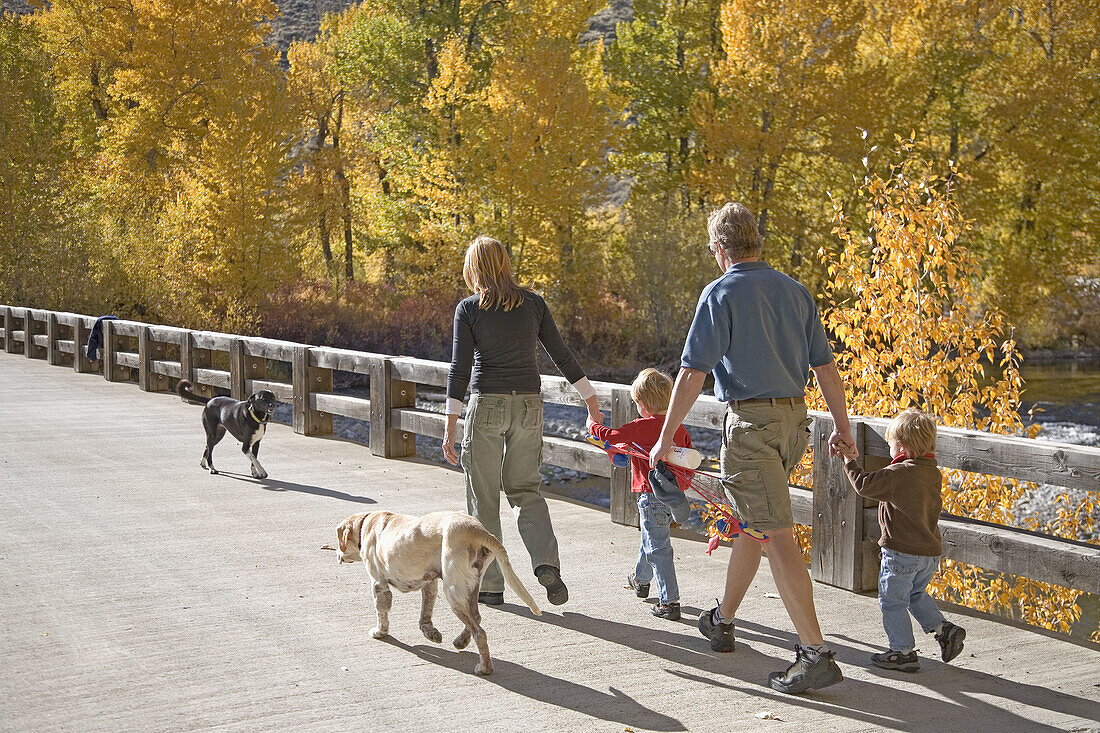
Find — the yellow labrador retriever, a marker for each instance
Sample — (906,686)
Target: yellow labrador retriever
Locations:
(413,553)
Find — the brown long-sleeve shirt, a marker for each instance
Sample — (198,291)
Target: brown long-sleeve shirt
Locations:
(909,503)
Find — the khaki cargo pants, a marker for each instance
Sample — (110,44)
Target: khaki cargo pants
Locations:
(502,450)
(762,442)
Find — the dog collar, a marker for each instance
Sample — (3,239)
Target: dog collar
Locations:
(258,420)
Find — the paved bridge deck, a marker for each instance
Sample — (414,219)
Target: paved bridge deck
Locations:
(139,593)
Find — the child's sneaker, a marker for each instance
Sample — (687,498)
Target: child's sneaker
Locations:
(670,610)
(640,589)
(805,674)
(720,634)
(951,640)
(897,660)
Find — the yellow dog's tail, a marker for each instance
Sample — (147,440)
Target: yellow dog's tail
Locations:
(493,545)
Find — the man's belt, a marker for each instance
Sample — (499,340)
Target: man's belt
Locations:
(792,401)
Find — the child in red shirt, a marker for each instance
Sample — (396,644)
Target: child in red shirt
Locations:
(651,391)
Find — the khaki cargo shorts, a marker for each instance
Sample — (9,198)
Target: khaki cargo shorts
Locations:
(762,442)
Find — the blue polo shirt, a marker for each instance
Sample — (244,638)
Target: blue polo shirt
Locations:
(759,331)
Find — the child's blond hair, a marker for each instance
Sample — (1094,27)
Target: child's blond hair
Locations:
(653,388)
(915,431)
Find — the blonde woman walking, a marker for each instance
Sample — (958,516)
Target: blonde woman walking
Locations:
(497,332)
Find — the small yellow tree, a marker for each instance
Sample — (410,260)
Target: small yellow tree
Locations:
(902,301)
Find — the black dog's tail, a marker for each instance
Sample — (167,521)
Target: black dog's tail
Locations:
(184,391)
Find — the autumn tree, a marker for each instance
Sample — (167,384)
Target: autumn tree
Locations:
(181,136)
(661,64)
(904,304)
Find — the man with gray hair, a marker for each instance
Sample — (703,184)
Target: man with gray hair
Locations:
(760,333)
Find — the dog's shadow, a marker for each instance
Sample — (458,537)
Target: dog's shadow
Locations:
(613,706)
(271,484)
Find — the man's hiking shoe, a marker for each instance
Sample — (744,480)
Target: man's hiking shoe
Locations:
(951,640)
(489,598)
(720,635)
(897,660)
(550,578)
(670,610)
(806,675)
(640,589)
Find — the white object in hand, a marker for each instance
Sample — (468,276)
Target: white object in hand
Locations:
(684,457)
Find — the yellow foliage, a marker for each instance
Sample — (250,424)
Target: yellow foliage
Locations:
(904,304)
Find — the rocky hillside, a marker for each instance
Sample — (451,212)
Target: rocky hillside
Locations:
(300,19)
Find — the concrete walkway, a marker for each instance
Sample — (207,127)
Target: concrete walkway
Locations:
(139,593)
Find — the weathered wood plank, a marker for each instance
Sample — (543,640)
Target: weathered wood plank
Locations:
(65,346)
(127,328)
(166,368)
(559,391)
(421,422)
(624,503)
(343,360)
(211,377)
(1046,559)
(707,412)
(212,341)
(802,505)
(420,371)
(129,359)
(1026,459)
(167,334)
(576,455)
(275,349)
(340,404)
(283,392)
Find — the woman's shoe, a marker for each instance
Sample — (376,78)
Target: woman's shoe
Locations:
(550,578)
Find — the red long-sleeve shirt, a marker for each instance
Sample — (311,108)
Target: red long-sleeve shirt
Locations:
(644,431)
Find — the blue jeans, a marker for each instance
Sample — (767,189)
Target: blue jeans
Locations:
(655,560)
(902,581)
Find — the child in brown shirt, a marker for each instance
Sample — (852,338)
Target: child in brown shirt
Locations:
(909,507)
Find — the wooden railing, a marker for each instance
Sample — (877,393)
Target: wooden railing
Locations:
(844,524)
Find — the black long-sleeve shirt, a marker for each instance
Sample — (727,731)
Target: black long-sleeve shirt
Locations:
(501,346)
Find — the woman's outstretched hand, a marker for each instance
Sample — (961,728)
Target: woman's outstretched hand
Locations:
(449,452)
(594,414)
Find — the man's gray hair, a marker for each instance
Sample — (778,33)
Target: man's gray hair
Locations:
(733,228)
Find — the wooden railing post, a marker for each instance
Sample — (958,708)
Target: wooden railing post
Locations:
(110,343)
(148,352)
(30,330)
(308,380)
(242,368)
(837,556)
(10,344)
(237,388)
(386,393)
(81,363)
(54,355)
(191,359)
(624,503)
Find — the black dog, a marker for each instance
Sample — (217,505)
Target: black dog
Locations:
(246,421)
